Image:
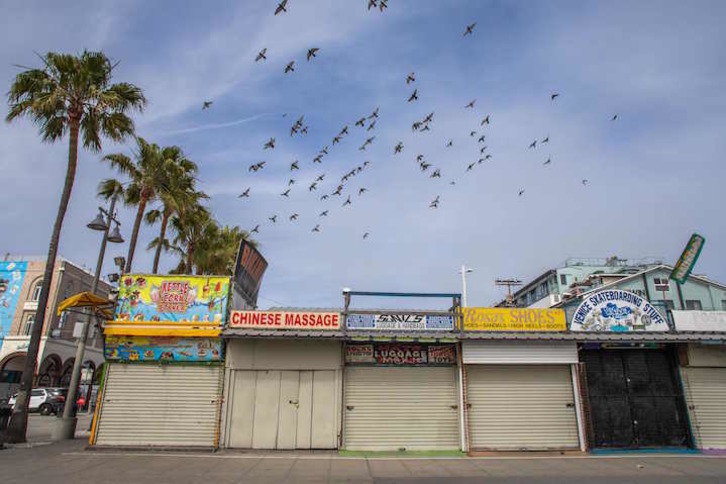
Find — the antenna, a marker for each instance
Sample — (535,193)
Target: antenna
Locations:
(509,283)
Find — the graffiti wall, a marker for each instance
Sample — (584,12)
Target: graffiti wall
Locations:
(11,282)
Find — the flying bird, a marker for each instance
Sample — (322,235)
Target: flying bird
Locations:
(426,128)
(470,105)
(323,197)
(480,160)
(470,167)
(324,213)
(291,182)
(482,149)
(614,117)
(270,144)
(548,161)
(533,144)
(312,52)
(398,148)
(316,228)
(469,29)
(482,138)
(585,181)
(436,173)
(338,190)
(313,186)
(207,105)
(336,139)
(383,5)
(318,159)
(304,130)
(429,117)
(414,96)
(255,230)
(554,95)
(281,7)
(371,126)
(374,114)
(484,121)
(416,125)
(324,150)
(372,4)
(343,131)
(294,216)
(419,158)
(286,193)
(361,122)
(294,165)
(472,133)
(290,67)
(365,236)
(450,143)
(361,191)
(347,202)
(425,166)
(262,55)
(521,192)
(245,194)
(321,177)
(273,219)
(435,203)
(546,140)
(410,78)
(487,157)
(452,182)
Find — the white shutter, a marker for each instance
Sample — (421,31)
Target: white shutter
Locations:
(390,408)
(521,407)
(706,398)
(519,352)
(167,405)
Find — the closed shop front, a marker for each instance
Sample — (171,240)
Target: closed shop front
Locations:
(704,383)
(520,395)
(401,396)
(160,405)
(282,394)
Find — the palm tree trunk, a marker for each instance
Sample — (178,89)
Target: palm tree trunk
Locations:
(19,420)
(135,233)
(162,234)
(190,249)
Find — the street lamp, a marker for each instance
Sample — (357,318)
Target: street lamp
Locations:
(464,271)
(67,426)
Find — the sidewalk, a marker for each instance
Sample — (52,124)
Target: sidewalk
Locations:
(69,462)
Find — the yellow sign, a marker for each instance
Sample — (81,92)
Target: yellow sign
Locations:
(513,319)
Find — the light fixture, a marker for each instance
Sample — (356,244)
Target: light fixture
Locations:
(115,236)
(120,262)
(113,278)
(97,223)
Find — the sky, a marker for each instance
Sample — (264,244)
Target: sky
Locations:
(654,175)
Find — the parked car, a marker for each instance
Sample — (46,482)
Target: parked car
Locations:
(44,400)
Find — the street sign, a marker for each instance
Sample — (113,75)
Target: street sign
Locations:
(688,259)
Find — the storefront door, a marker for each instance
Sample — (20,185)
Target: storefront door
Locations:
(635,399)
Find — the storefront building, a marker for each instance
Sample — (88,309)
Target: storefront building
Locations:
(402,387)
(521,380)
(163,384)
(283,380)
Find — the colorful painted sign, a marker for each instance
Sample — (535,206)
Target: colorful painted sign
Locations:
(141,348)
(617,311)
(400,354)
(248,271)
(11,282)
(284,320)
(688,259)
(399,322)
(513,319)
(170,298)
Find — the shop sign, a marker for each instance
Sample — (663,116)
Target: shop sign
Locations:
(513,319)
(140,348)
(177,299)
(688,259)
(400,354)
(400,322)
(617,311)
(285,320)
(11,283)
(249,268)
(711,321)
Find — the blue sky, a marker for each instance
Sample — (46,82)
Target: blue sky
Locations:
(655,175)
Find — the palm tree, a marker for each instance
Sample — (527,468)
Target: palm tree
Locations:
(216,254)
(69,95)
(150,173)
(189,226)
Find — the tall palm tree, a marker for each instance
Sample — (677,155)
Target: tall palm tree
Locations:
(70,94)
(189,226)
(149,173)
(179,195)
(216,253)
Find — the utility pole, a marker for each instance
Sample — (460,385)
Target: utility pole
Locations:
(509,283)
(464,270)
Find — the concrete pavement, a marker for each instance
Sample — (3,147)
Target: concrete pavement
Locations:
(69,462)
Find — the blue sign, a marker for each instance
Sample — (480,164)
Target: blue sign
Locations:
(11,283)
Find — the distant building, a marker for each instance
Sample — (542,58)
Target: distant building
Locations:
(21,279)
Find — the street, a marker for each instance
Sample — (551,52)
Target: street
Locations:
(70,462)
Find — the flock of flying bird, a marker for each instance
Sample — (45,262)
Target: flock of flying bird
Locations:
(423,125)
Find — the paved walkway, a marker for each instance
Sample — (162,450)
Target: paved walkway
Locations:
(69,462)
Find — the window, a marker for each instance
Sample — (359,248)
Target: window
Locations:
(36,291)
(693,304)
(28,325)
(36,393)
(563,279)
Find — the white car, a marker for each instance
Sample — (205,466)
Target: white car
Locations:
(44,400)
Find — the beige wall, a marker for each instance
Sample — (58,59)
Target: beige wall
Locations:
(259,354)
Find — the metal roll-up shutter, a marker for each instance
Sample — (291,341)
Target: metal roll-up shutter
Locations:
(521,407)
(401,408)
(706,398)
(168,405)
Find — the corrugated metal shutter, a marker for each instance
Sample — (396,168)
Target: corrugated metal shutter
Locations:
(521,407)
(401,408)
(169,405)
(706,397)
(516,352)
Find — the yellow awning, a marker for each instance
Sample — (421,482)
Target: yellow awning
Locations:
(86,300)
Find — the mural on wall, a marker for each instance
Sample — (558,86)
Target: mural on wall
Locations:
(617,311)
(172,298)
(11,283)
(141,348)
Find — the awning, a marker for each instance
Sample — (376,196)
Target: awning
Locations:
(100,305)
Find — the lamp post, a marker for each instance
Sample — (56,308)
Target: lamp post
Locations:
(67,426)
(464,271)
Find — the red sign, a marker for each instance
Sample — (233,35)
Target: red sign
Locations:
(284,320)
(173,297)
